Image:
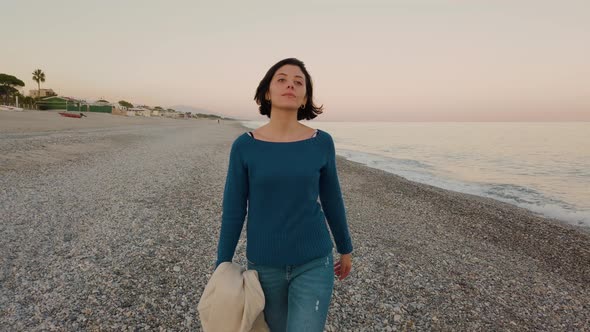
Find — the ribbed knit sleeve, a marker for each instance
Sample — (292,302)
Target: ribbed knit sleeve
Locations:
(332,202)
(235,201)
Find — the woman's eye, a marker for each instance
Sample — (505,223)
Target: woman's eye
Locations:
(296,82)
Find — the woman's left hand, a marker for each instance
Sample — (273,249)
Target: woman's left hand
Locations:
(343,266)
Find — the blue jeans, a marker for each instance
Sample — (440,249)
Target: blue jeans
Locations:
(297,297)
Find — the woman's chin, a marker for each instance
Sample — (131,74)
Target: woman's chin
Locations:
(286,107)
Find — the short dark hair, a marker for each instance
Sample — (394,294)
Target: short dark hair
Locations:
(309,112)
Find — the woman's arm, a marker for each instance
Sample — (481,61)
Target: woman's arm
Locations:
(332,202)
(235,202)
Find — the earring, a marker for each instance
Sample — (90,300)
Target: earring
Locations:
(302,107)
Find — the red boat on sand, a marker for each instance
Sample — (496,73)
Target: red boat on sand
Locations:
(71,115)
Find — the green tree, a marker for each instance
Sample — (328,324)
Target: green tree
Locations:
(125,104)
(7,86)
(39,76)
(27,100)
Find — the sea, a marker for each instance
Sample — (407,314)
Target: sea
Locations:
(540,166)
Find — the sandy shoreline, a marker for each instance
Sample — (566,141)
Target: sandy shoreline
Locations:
(124,233)
(39,121)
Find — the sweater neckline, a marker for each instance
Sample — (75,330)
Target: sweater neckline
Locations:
(291,142)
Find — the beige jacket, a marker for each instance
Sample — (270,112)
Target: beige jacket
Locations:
(233,301)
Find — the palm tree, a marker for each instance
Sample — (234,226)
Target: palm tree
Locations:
(39,76)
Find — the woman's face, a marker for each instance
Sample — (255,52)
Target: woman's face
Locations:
(287,88)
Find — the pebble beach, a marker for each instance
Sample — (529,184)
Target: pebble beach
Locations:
(109,223)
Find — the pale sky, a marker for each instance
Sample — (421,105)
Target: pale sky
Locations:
(431,60)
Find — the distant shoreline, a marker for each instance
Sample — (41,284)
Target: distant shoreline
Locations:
(50,120)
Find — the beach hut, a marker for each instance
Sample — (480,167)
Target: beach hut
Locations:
(119,111)
(140,111)
(100,106)
(60,103)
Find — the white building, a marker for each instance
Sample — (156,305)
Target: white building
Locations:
(42,93)
(139,111)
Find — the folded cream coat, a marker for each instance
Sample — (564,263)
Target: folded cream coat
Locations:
(233,301)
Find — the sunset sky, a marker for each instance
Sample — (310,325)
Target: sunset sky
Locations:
(411,60)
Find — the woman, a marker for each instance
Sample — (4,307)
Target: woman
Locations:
(276,174)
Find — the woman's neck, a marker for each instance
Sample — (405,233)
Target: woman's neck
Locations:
(283,122)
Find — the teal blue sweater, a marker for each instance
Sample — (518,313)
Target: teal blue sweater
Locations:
(277,184)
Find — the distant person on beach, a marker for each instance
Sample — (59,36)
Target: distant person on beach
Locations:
(276,174)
